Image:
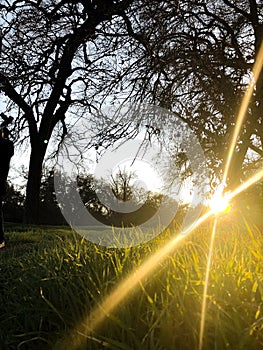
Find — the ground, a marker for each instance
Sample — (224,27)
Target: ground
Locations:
(51,279)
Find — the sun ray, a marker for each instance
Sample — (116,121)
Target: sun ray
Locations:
(256,177)
(208,266)
(243,108)
(94,319)
(245,185)
(252,180)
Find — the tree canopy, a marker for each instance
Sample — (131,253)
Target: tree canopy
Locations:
(200,61)
(54,55)
(60,60)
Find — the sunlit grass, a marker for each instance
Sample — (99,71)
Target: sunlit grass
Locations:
(56,279)
(206,283)
(92,320)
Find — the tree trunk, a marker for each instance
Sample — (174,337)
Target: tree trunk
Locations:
(32,202)
(236,168)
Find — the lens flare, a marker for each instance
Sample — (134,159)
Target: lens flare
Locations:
(244,186)
(219,203)
(208,266)
(82,331)
(89,324)
(75,338)
(243,109)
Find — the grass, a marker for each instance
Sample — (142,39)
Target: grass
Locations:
(50,279)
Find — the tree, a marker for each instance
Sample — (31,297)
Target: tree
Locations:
(142,205)
(13,204)
(63,59)
(197,62)
(99,195)
(47,70)
(49,211)
(88,188)
(121,185)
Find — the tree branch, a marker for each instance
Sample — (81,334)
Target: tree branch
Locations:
(237,9)
(253,12)
(10,91)
(256,149)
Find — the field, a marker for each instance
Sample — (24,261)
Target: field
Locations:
(51,279)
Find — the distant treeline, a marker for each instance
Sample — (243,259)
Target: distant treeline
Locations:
(247,205)
(50,212)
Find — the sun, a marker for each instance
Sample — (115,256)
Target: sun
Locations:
(219,203)
(146,175)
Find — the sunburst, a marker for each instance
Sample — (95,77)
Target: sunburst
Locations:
(220,203)
(94,319)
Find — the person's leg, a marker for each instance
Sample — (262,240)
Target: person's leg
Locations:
(2,237)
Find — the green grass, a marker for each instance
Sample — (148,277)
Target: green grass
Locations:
(50,279)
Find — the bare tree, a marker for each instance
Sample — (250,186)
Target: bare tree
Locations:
(54,55)
(197,62)
(67,58)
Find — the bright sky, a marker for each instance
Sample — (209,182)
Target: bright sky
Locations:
(144,172)
(147,175)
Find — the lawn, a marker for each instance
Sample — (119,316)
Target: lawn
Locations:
(51,279)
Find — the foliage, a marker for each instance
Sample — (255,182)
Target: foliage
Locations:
(197,61)
(13,204)
(62,60)
(53,54)
(50,212)
(95,195)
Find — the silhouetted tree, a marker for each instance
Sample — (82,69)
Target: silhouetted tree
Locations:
(199,62)
(13,204)
(196,59)
(49,212)
(53,58)
(66,58)
(94,195)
